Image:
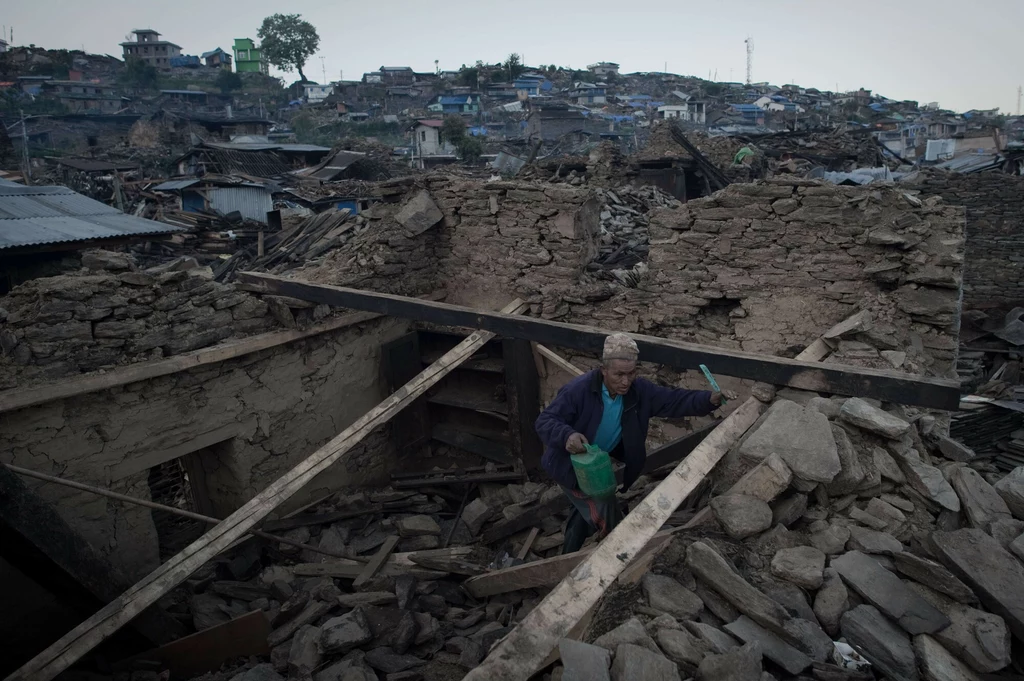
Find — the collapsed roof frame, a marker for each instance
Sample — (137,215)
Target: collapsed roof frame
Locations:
(569,604)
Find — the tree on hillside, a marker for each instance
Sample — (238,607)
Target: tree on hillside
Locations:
(228,81)
(288,42)
(469,76)
(138,75)
(453,129)
(513,65)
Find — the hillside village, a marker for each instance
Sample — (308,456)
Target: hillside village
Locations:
(272,354)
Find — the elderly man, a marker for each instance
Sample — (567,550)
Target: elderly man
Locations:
(611,408)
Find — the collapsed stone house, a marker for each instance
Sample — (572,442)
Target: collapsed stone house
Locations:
(762,268)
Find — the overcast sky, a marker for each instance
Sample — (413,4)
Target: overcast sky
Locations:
(962,55)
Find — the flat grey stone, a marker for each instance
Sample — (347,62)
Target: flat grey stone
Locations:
(979,638)
(869,519)
(1011,489)
(1005,531)
(953,450)
(979,500)
(929,482)
(261,672)
(667,595)
(583,661)
(831,540)
(887,466)
(938,664)
(772,647)
(1017,547)
(885,591)
(789,596)
(740,515)
(304,654)
(933,575)
(345,670)
(803,439)
(417,526)
(630,631)
(716,640)
(882,643)
(823,405)
(872,541)
(476,513)
(802,566)
(419,214)
(831,601)
(633,663)
(808,637)
(883,510)
(681,646)
(714,571)
(995,576)
(341,634)
(859,413)
(851,475)
(388,661)
(741,664)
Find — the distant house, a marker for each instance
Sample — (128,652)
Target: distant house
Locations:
(148,47)
(603,68)
(33,85)
(186,96)
(218,59)
(690,112)
(532,84)
(249,58)
(750,113)
(397,75)
(587,93)
(778,103)
(428,147)
(84,97)
(500,90)
(862,97)
(3,45)
(315,94)
(251,200)
(945,128)
(551,121)
(373,78)
(456,104)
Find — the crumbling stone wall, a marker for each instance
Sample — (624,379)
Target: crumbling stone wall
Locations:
(266,412)
(994,203)
(109,313)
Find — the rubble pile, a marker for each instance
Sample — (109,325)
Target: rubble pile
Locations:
(837,520)
(624,229)
(110,313)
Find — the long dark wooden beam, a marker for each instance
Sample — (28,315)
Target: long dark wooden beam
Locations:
(836,379)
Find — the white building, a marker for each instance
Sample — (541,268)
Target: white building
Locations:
(690,112)
(603,68)
(427,142)
(315,94)
(777,103)
(3,45)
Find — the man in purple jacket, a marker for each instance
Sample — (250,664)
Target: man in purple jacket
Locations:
(611,408)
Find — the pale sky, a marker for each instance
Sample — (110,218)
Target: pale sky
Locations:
(962,55)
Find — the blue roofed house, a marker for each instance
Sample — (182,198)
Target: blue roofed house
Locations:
(778,103)
(751,113)
(456,104)
(587,93)
(532,84)
(218,59)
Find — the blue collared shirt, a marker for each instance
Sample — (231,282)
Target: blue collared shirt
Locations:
(609,432)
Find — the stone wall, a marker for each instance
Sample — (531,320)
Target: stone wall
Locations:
(257,415)
(994,203)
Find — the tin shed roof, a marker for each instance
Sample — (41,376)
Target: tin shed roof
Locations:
(37,216)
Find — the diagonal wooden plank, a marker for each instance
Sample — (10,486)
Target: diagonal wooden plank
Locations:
(516,657)
(376,562)
(93,631)
(838,379)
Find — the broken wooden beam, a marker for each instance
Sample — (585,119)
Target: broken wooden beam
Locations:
(101,625)
(556,359)
(518,655)
(531,517)
(838,379)
(375,564)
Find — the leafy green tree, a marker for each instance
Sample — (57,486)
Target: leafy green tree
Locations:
(470,149)
(453,129)
(288,42)
(513,65)
(139,75)
(228,81)
(470,77)
(713,89)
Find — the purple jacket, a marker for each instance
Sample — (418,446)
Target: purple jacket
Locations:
(578,409)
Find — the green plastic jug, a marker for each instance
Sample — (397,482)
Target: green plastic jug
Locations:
(594,472)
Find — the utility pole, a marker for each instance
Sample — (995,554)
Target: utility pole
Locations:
(24,150)
(750,59)
(323,69)
(1020,91)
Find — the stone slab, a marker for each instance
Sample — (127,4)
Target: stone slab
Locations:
(881,642)
(772,647)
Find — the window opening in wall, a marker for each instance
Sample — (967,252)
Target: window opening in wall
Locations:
(171,485)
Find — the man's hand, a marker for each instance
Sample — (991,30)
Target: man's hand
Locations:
(719,397)
(576,444)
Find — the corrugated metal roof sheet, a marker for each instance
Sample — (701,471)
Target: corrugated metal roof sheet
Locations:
(172,185)
(253,203)
(33,216)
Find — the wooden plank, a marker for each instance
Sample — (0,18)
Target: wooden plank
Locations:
(376,562)
(837,379)
(506,528)
(450,434)
(308,519)
(522,386)
(556,359)
(517,656)
(205,651)
(528,543)
(141,461)
(19,398)
(94,630)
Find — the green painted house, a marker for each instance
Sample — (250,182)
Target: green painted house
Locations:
(248,58)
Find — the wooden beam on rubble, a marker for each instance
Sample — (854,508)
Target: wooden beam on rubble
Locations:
(97,628)
(519,654)
(837,379)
